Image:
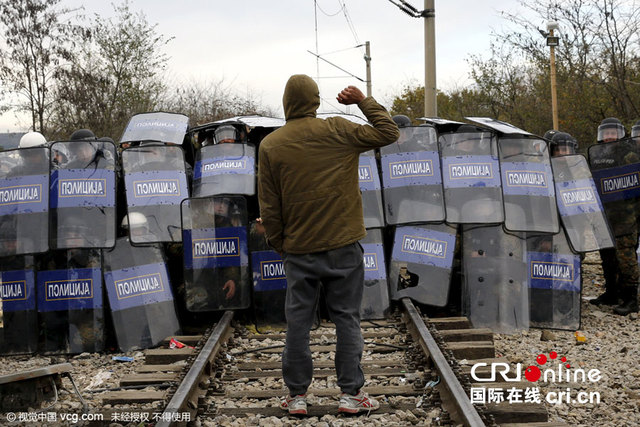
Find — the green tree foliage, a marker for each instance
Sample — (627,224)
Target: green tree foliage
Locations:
(119,73)
(37,42)
(598,70)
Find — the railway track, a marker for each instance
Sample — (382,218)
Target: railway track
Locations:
(418,368)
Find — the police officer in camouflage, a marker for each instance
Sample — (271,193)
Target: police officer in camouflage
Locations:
(620,264)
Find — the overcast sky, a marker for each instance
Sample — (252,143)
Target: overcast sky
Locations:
(255,45)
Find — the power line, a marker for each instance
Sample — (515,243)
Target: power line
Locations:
(330,14)
(339,68)
(341,50)
(351,26)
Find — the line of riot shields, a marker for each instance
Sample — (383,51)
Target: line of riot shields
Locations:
(98,240)
(105,243)
(480,217)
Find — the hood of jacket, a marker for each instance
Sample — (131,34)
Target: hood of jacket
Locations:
(301,97)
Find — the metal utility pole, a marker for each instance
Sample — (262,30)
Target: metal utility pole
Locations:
(552,42)
(430,92)
(429,15)
(367,58)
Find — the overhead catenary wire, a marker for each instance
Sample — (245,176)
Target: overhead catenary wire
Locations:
(329,14)
(349,22)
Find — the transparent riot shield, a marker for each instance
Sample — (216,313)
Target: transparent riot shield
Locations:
(83,194)
(269,281)
(471,176)
(370,188)
(555,283)
(375,298)
(581,211)
(225,169)
(140,295)
(19,326)
(411,178)
(495,293)
(216,259)
(70,303)
(616,171)
(421,261)
(24,201)
(155,183)
(162,127)
(527,185)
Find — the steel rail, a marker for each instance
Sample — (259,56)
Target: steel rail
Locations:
(464,409)
(190,383)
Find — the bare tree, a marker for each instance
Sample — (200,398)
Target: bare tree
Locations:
(38,41)
(598,67)
(208,101)
(119,73)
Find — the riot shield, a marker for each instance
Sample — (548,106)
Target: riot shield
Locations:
(216,259)
(70,304)
(24,201)
(225,169)
(162,127)
(370,188)
(83,195)
(421,261)
(579,205)
(140,295)
(495,293)
(616,171)
(411,178)
(155,183)
(527,185)
(375,298)
(269,280)
(555,283)
(471,176)
(19,326)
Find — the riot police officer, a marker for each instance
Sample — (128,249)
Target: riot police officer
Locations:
(562,144)
(32,160)
(635,132)
(619,264)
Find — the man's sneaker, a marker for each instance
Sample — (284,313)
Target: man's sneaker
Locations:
(296,405)
(359,403)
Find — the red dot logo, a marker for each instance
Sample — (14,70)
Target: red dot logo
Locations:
(532,373)
(541,359)
(553,355)
(563,359)
(568,366)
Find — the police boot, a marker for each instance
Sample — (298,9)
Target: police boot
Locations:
(629,301)
(607,298)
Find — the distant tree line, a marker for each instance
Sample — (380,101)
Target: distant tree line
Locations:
(69,71)
(598,71)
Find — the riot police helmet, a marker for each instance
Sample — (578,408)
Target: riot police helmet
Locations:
(562,144)
(32,139)
(402,120)
(610,129)
(136,223)
(226,134)
(548,135)
(635,130)
(60,154)
(467,138)
(82,135)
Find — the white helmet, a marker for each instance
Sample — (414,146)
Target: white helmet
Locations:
(137,220)
(32,139)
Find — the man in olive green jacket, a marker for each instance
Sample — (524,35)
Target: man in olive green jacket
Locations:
(311,208)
